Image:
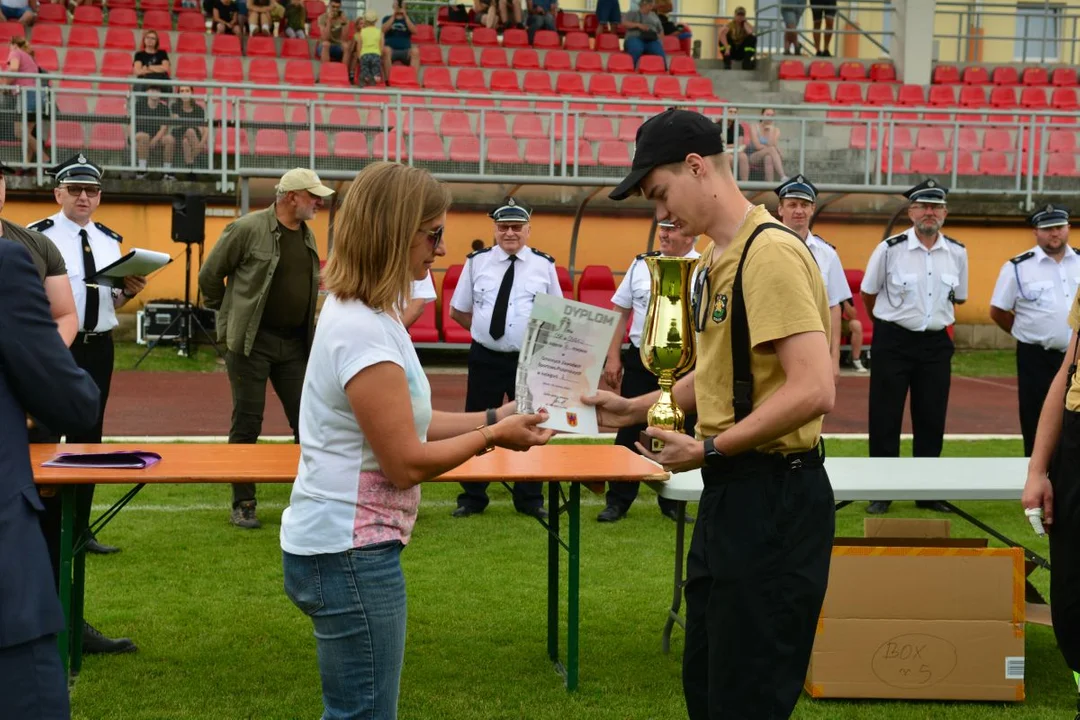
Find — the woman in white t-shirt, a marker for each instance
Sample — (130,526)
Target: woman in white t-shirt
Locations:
(369,437)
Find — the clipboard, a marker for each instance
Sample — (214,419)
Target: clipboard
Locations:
(135,262)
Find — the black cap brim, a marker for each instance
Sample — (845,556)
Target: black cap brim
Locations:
(630,184)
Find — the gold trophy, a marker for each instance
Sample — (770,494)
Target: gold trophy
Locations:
(668,345)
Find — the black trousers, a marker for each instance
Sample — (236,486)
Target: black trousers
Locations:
(757,571)
(32,683)
(1035,370)
(636,381)
(94,354)
(493,376)
(1065,540)
(906,360)
(279,358)
(743,50)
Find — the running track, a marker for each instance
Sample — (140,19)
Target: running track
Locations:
(184,403)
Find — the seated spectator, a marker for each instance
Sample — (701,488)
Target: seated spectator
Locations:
(499,14)
(225,16)
(663,11)
(737,41)
(152,131)
(541,16)
(643,31)
(851,326)
(21,60)
(763,146)
(608,15)
(190,128)
(735,144)
(332,25)
(296,19)
(151,62)
(25,11)
(397,32)
(265,14)
(369,45)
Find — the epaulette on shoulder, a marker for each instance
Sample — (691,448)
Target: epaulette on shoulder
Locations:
(954,241)
(41,225)
(895,239)
(544,255)
(1022,257)
(474,253)
(825,241)
(111,233)
(644,255)
(1076,250)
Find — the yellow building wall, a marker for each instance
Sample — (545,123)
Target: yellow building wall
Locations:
(610,241)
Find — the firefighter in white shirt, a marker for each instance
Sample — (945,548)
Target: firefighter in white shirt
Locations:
(798,197)
(623,368)
(493,300)
(912,282)
(1031,302)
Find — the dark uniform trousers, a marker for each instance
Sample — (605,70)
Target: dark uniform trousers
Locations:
(492,375)
(1035,370)
(281,358)
(1065,540)
(903,360)
(35,669)
(757,571)
(637,381)
(94,353)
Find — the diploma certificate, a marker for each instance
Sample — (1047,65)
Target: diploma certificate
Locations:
(561,359)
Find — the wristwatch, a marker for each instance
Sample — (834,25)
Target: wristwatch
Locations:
(492,416)
(712,455)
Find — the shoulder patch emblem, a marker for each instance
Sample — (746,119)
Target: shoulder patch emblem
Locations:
(41,225)
(895,239)
(111,233)
(543,255)
(474,253)
(719,313)
(642,256)
(954,241)
(1022,257)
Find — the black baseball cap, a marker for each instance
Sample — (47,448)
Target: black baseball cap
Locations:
(668,138)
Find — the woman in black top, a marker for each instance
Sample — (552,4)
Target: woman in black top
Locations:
(733,148)
(151,62)
(190,129)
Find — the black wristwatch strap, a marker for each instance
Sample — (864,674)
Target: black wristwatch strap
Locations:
(712,455)
(491,416)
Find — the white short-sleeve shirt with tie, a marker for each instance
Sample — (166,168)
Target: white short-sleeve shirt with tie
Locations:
(1039,291)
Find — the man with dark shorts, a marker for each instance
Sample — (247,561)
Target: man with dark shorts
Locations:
(823,9)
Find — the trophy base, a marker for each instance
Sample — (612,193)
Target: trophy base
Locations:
(650,443)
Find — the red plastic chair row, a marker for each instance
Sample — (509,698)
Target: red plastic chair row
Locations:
(1003,75)
(825,70)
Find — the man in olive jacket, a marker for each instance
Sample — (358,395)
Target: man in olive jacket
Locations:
(266,311)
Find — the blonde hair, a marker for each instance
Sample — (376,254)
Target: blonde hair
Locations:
(23,44)
(375,228)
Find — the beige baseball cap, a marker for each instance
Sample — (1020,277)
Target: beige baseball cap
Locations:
(303,179)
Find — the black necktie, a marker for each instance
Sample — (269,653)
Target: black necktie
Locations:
(502,301)
(90,318)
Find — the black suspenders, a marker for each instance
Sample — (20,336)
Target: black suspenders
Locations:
(743,385)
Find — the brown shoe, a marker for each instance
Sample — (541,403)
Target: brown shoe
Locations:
(243,516)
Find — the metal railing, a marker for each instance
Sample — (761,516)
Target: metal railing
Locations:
(462,137)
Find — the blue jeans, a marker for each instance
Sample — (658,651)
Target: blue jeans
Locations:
(636,47)
(356,601)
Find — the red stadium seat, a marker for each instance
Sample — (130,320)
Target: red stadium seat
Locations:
(858,139)
(635,86)
(51,13)
(969,140)
(194,44)
(673,46)
(994,163)
(946,75)
(852,71)
(880,94)
(976,75)
(49,35)
(925,162)
(897,161)
(569,83)
(117,63)
(470,80)
(593,286)
(942,96)
(451,331)
(792,70)
(424,35)
(882,73)
(81,36)
(190,21)
(700,88)
(545,40)
(80,62)
(88,15)
(525,59)
(464,149)
(911,96)
(849,94)
(494,58)
(118,39)
(334,75)
(1003,97)
(1035,76)
(1033,98)
(566,283)
(613,154)
(996,139)
(589,62)
(118,17)
(295,48)
(228,70)
(271,143)
(437,79)
(515,38)
(504,81)
(620,63)
(854,279)
(931,138)
(1062,141)
(1005,75)
(821,70)
(1063,77)
(225,45)
(528,127)
(557,61)
(535,83)
(263,71)
(972,96)
(1064,98)
(1061,165)
(817,92)
(108,137)
(603,85)
(607,42)
(485,37)
(503,150)
(351,145)
(430,54)
(682,65)
(667,87)
(461,56)
(452,35)
(965,163)
(455,124)
(314,9)
(69,135)
(403,76)
(424,329)
(578,41)
(651,65)
(568,22)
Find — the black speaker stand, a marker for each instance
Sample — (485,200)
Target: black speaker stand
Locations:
(186,314)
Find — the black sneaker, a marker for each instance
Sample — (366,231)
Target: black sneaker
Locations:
(537,512)
(464,511)
(878,507)
(94,643)
(610,514)
(243,516)
(673,515)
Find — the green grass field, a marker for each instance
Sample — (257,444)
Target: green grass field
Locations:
(218,638)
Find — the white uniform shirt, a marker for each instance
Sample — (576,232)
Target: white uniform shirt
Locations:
(424,289)
(478,288)
(634,293)
(1039,291)
(832,269)
(106,249)
(913,284)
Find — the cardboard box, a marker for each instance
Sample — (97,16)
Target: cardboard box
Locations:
(910,614)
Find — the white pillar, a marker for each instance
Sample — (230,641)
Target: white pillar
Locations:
(914,44)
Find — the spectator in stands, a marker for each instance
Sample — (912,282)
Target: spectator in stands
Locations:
(664,9)
(608,15)
(369,46)
(332,25)
(190,128)
(735,143)
(152,131)
(265,14)
(21,60)
(823,9)
(296,19)
(541,16)
(225,16)
(498,13)
(792,11)
(737,41)
(397,40)
(151,62)
(763,146)
(851,326)
(643,31)
(24,11)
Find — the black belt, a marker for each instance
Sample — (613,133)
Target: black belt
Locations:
(900,327)
(92,337)
(730,469)
(1036,346)
(497,353)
